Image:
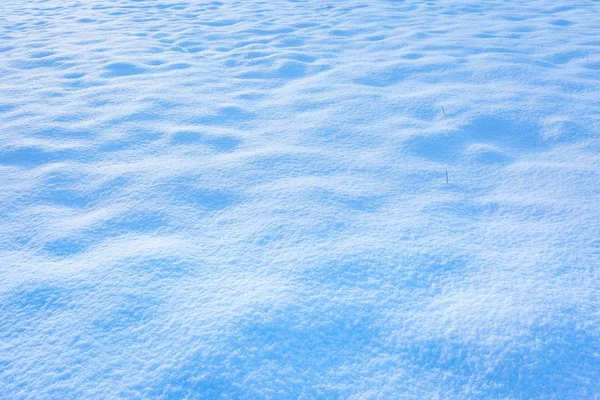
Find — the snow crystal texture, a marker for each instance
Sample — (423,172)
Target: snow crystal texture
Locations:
(247,199)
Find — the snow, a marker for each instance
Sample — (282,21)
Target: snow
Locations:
(248,199)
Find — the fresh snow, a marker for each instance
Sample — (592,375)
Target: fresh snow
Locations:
(248,199)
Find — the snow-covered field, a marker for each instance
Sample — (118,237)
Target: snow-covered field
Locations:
(247,199)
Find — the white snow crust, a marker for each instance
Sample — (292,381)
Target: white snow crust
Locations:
(248,199)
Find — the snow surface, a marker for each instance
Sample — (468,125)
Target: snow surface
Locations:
(248,199)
